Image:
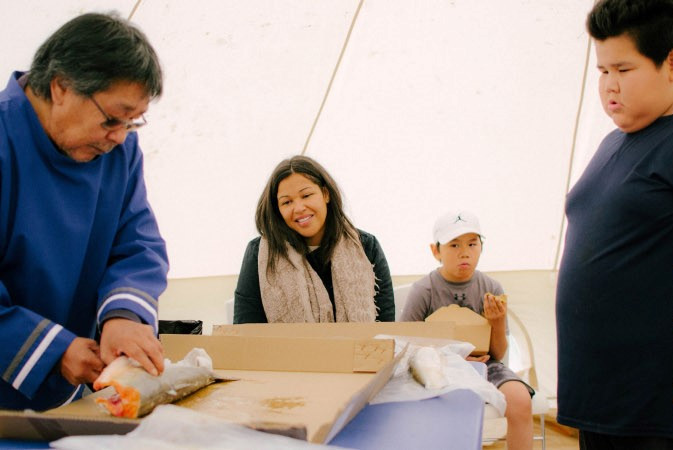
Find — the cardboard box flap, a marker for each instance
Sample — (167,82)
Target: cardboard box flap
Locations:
(465,325)
(305,355)
(457,314)
(340,329)
(359,401)
(470,326)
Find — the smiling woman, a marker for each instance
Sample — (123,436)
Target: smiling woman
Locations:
(310,263)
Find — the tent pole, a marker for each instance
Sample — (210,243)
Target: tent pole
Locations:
(572,152)
(334,72)
(135,8)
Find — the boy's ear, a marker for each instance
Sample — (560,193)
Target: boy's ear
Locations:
(669,63)
(435,251)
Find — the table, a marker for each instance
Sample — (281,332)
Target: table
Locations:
(451,421)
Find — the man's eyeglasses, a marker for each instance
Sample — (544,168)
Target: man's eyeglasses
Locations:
(114,124)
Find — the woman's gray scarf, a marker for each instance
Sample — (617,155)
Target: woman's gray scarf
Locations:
(293,292)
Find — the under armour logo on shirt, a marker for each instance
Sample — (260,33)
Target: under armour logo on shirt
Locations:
(463,297)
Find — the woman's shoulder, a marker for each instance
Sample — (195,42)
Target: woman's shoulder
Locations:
(369,242)
(254,243)
(366,238)
(371,246)
(253,246)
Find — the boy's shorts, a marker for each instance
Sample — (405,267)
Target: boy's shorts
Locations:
(498,373)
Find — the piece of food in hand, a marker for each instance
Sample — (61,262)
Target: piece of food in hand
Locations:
(502,298)
(137,392)
(426,367)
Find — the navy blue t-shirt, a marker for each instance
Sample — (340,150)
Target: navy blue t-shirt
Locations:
(614,303)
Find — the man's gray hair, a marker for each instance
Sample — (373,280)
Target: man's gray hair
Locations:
(91,52)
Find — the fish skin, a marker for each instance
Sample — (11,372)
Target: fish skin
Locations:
(121,368)
(138,392)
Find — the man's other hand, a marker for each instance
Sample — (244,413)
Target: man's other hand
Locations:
(81,362)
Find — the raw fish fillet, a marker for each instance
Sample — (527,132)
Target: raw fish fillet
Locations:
(426,367)
(138,392)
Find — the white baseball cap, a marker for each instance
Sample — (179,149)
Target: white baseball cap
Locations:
(454,224)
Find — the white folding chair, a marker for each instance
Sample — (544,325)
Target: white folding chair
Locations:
(400,293)
(229,311)
(521,359)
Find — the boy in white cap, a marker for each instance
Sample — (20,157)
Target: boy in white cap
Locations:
(457,245)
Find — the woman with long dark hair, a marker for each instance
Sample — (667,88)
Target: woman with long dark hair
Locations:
(310,263)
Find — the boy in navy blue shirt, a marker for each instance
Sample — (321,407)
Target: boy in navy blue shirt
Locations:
(614,304)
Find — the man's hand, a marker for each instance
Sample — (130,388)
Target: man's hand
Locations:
(135,340)
(81,362)
(481,359)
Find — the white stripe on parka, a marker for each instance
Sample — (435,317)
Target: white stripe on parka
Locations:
(133,298)
(36,355)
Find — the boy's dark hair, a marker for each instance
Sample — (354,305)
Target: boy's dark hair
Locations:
(272,226)
(92,51)
(648,22)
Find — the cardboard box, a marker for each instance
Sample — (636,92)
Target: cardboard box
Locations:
(308,388)
(461,326)
(467,321)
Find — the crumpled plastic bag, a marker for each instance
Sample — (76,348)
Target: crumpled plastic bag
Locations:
(197,357)
(171,427)
(458,374)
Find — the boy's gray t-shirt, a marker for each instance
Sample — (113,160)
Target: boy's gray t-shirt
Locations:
(432,292)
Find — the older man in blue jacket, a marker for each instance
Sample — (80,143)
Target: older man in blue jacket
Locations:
(80,250)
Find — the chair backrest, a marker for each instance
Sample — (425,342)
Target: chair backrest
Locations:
(229,311)
(521,355)
(400,293)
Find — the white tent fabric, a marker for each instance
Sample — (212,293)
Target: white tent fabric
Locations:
(432,105)
(435,105)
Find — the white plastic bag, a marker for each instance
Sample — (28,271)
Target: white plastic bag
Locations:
(458,374)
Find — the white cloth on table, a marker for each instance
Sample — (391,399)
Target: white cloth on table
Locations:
(457,371)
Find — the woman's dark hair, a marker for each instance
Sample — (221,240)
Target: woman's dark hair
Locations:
(272,226)
(648,22)
(91,52)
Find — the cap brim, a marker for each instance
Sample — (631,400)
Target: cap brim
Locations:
(448,236)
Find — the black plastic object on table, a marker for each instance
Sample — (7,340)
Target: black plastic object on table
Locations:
(180,327)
